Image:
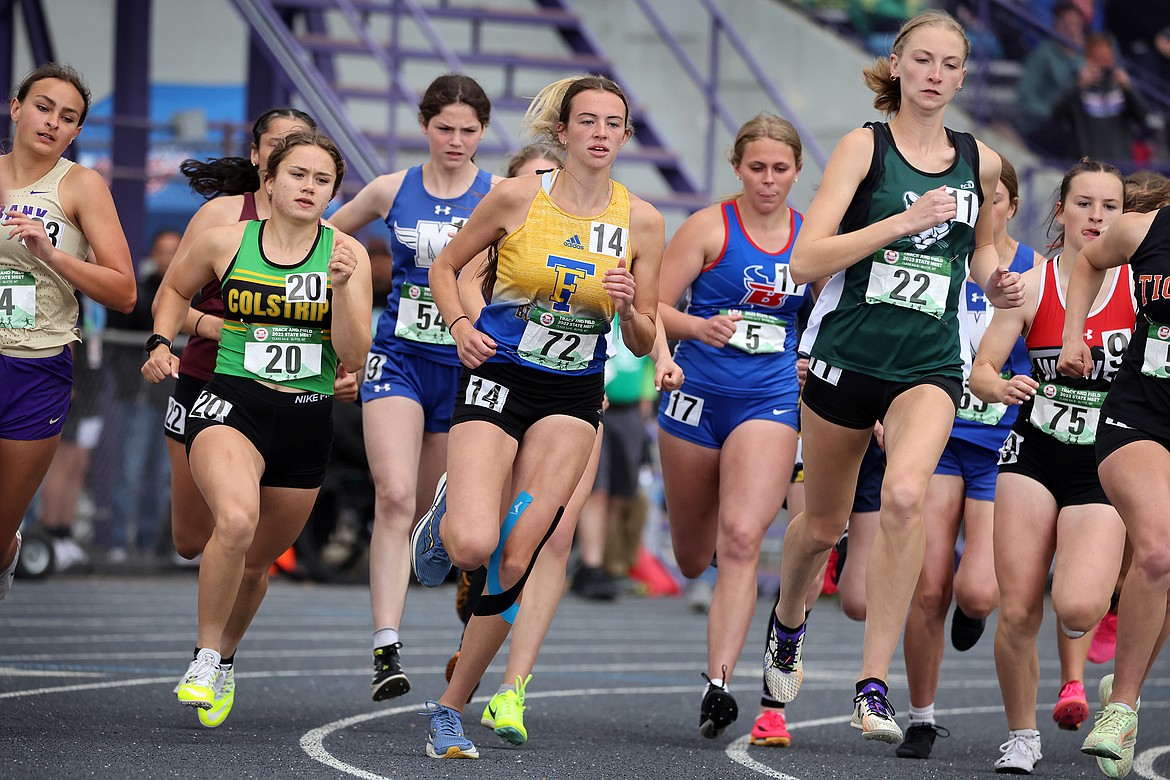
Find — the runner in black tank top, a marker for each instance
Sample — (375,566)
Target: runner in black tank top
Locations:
(1133,448)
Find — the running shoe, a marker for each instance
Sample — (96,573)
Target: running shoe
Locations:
(783,669)
(198,686)
(770,730)
(1104,644)
(874,716)
(842,550)
(462,588)
(1105,692)
(1021,753)
(9,574)
(504,714)
(389,679)
(445,738)
(1116,731)
(965,631)
(1072,707)
(428,557)
(224,698)
(68,554)
(718,710)
(829,583)
(920,740)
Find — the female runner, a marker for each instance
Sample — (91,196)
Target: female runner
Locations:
(296,304)
(572,248)
(736,415)
(411,374)
(894,222)
(1048,500)
(55,213)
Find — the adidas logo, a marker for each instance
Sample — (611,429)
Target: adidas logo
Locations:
(574,243)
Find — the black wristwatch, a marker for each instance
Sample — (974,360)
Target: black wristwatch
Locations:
(154,340)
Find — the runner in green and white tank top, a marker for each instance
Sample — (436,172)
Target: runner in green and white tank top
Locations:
(276,325)
(893,313)
(894,223)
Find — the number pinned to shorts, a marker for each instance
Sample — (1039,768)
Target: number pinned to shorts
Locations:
(486,393)
(176,419)
(209,406)
(686,409)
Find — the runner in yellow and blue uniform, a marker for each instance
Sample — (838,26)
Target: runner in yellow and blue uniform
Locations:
(571,249)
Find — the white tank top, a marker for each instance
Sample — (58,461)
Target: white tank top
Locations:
(38,310)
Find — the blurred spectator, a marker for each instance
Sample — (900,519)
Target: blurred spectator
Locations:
(1049,72)
(1103,111)
(878,21)
(141,499)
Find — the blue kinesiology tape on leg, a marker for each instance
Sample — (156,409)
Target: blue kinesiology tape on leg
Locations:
(493,568)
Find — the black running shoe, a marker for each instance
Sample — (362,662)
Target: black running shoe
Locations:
(389,679)
(842,546)
(919,740)
(718,710)
(965,631)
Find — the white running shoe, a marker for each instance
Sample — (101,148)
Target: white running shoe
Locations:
(1021,753)
(68,554)
(9,574)
(198,686)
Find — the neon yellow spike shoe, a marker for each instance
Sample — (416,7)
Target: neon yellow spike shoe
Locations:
(198,686)
(504,714)
(225,697)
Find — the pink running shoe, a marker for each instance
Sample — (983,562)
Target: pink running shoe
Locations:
(1072,708)
(770,729)
(1104,645)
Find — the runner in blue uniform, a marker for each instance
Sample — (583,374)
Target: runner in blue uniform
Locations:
(413,369)
(736,415)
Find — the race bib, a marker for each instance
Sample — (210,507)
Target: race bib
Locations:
(757,333)
(18,299)
(909,280)
(686,409)
(485,393)
(1067,415)
(306,288)
(418,317)
(209,406)
(374,365)
(1009,451)
(176,419)
(973,409)
(1156,359)
(559,341)
(282,353)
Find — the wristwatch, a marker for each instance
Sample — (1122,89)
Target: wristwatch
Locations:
(154,340)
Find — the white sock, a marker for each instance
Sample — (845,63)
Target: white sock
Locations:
(385,636)
(922,715)
(718,683)
(505,689)
(1031,734)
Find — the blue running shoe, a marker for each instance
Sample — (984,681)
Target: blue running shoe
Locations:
(428,557)
(445,739)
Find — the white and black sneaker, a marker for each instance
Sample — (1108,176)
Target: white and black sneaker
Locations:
(783,670)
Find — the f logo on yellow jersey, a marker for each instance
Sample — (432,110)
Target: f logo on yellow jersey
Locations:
(568,273)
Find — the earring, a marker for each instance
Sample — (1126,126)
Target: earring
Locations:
(960,89)
(893,78)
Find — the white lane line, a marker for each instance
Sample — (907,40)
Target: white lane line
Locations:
(313,742)
(1143,763)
